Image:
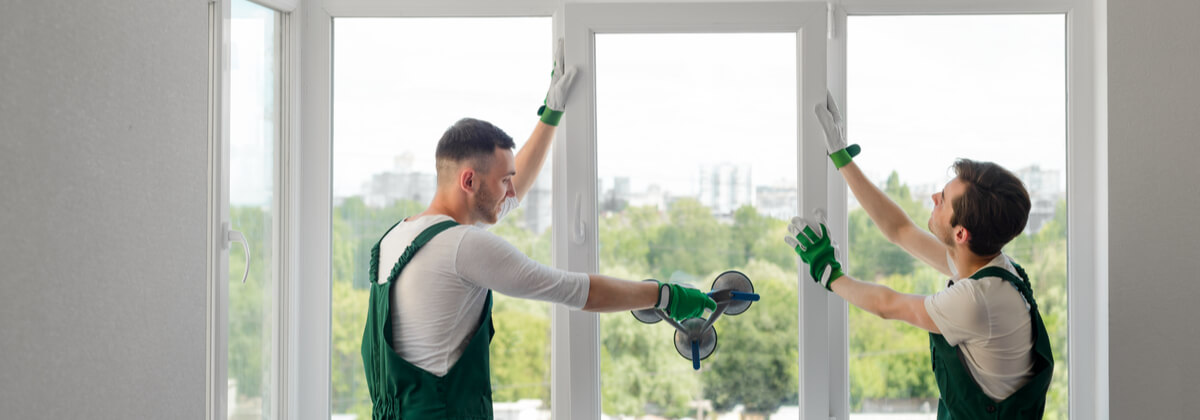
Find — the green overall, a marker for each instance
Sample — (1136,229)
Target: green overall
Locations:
(400,390)
(962,399)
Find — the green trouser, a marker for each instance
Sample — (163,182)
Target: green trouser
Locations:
(400,390)
(961,397)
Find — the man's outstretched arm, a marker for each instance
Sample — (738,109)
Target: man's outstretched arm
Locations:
(608,294)
(885,302)
(810,239)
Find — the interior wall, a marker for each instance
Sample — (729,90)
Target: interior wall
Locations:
(1154,209)
(103,166)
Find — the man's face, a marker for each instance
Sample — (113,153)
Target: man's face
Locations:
(939,219)
(495,186)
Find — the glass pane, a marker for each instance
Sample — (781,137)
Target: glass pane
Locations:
(253,138)
(696,142)
(398,84)
(981,87)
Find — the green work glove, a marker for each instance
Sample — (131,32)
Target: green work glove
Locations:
(815,249)
(561,80)
(835,137)
(680,302)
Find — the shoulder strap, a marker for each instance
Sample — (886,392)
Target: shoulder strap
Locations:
(411,250)
(1022,283)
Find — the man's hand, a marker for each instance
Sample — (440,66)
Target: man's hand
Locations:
(835,137)
(681,302)
(561,80)
(815,249)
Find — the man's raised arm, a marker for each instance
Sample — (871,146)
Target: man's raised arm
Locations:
(891,219)
(532,155)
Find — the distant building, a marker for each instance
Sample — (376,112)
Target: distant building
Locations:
(400,183)
(724,187)
(654,196)
(1044,193)
(779,201)
(616,198)
(537,206)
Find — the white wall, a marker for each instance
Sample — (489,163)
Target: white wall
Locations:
(103,161)
(1154,207)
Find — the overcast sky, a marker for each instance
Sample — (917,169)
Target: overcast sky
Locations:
(921,92)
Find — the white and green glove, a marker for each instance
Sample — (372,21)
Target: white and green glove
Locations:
(815,249)
(561,80)
(681,302)
(835,137)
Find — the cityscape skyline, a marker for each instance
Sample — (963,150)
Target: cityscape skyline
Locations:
(722,187)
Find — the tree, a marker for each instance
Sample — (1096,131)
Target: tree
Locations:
(757,354)
(248,360)
(692,243)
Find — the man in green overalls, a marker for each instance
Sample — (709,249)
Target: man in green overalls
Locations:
(990,352)
(425,345)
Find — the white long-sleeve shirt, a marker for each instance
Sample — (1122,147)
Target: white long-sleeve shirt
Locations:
(989,320)
(438,298)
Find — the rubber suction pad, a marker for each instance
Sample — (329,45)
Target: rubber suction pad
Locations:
(707,339)
(648,315)
(738,282)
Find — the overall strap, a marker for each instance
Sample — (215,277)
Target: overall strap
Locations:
(1021,283)
(409,251)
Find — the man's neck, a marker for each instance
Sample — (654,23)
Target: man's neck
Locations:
(968,263)
(443,206)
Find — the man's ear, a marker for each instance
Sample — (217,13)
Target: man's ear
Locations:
(467,181)
(962,235)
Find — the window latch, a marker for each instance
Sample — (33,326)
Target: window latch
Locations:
(230,236)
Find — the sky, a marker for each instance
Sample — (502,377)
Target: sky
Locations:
(922,91)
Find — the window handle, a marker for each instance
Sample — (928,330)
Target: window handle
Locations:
(578,234)
(233,235)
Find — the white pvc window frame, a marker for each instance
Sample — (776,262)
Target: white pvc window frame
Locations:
(315,156)
(578,379)
(1087,170)
(285,223)
(575,362)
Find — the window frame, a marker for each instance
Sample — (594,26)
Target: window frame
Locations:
(576,146)
(285,223)
(1086,171)
(311,271)
(315,154)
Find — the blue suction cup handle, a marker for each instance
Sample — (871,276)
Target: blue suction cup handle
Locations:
(735,295)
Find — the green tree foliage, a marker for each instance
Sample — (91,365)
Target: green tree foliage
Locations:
(639,369)
(873,255)
(757,351)
(693,242)
(249,304)
(756,361)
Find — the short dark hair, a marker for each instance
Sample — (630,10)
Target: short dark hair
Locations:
(471,139)
(993,207)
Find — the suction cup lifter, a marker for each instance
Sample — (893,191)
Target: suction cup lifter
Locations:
(695,338)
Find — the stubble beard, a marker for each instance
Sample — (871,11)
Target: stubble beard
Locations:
(486,209)
(941,236)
